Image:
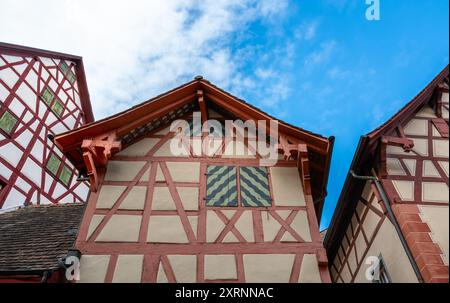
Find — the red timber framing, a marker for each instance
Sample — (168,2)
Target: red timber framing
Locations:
(24,74)
(202,92)
(199,95)
(375,154)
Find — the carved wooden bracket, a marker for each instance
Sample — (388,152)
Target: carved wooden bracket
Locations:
(403,142)
(300,152)
(96,152)
(288,150)
(303,165)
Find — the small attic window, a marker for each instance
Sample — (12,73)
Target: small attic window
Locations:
(8,122)
(67,72)
(53,102)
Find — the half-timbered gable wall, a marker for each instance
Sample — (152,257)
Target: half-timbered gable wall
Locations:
(216,217)
(418,183)
(409,156)
(370,233)
(40,96)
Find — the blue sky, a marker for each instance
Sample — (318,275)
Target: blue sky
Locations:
(316,64)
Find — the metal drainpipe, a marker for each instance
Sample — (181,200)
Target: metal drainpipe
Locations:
(394,221)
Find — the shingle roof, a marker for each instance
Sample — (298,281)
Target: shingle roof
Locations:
(34,238)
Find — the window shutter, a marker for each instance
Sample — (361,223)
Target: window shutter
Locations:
(255,190)
(221,188)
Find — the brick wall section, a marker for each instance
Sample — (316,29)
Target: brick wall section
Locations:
(426,253)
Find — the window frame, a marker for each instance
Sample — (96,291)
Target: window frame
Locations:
(238,188)
(73,77)
(53,102)
(59,171)
(3,110)
(383,272)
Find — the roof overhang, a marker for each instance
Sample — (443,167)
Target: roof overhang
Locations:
(124,122)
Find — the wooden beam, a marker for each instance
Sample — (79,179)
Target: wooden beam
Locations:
(202,105)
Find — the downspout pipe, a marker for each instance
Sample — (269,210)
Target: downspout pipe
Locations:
(394,221)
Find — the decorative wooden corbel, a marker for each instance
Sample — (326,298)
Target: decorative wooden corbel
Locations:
(303,165)
(286,148)
(96,152)
(403,142)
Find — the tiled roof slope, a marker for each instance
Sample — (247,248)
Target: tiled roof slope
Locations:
(34,238)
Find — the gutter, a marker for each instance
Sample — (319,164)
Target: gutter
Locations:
(394,221)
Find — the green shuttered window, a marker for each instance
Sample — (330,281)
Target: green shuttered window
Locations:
(53,164)
(68,72)
(66,175)
(55,104)
(48,96)
(255,190)
(7,122)
(221,187)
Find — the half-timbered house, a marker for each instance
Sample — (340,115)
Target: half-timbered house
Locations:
(42,93)
(391,223)
(217,214)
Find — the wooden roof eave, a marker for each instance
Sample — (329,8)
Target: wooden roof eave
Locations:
(336,229)
(406,112)
(140,114)
(246,111)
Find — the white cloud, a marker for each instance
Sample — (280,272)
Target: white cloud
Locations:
(307,30)
(134,50)
(321,55)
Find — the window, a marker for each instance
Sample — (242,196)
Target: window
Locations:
(68,72)
(383,275)
(53,164)
(8,122)
(255,190)
(222,188)
(64,174)
(53,102)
